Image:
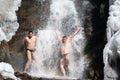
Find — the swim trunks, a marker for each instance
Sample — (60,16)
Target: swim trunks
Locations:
(64,55)
(30,50)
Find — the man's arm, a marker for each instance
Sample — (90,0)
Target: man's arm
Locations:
(58,34)
(73,35)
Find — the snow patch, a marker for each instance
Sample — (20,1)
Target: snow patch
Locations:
(7,71)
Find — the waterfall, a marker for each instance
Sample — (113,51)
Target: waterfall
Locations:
(64,17)
(8,18)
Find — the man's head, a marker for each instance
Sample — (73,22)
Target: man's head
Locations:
(64,39)
(30,34)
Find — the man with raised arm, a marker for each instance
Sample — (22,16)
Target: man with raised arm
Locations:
(30,43)
(65,50)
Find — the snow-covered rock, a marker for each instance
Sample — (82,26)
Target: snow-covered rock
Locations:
(111,53)
(113,24)
(8,18)
(7,71)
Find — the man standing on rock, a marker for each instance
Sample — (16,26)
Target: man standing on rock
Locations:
(65,50)
(30,43)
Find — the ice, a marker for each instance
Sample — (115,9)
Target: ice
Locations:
(8,18)
(112,48)
(7,71)
(113,24)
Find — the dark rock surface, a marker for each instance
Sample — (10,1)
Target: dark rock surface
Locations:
(25,76)
(97,39)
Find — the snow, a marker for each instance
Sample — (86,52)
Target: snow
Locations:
(8,18)
(7,71)
(113,24)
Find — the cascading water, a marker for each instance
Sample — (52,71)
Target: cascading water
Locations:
(63,15)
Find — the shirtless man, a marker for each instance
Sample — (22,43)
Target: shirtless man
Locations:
(30,43)
(65,50)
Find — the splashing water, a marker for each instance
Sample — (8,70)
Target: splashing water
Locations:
(63,16)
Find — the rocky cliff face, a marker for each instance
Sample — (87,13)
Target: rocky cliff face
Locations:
(97,39)
(34,14)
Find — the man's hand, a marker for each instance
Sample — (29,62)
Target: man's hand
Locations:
(77,30)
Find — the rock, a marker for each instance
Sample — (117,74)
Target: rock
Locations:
(25,76)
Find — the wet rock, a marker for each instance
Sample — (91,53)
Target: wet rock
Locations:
(25,76)
(5,79)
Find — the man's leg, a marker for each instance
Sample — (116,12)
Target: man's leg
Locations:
(62,63)
(67,61)
(29,57)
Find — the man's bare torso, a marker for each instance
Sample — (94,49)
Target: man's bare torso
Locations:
(30,42)
(65,47)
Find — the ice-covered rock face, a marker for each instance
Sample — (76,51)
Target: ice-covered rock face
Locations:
(112,49)
(8,18)
(7,71)
(113,20)
(111,57)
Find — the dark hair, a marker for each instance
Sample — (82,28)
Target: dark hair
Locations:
(30,32)
(64,37)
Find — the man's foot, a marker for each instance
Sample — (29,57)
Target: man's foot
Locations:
(67,70)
